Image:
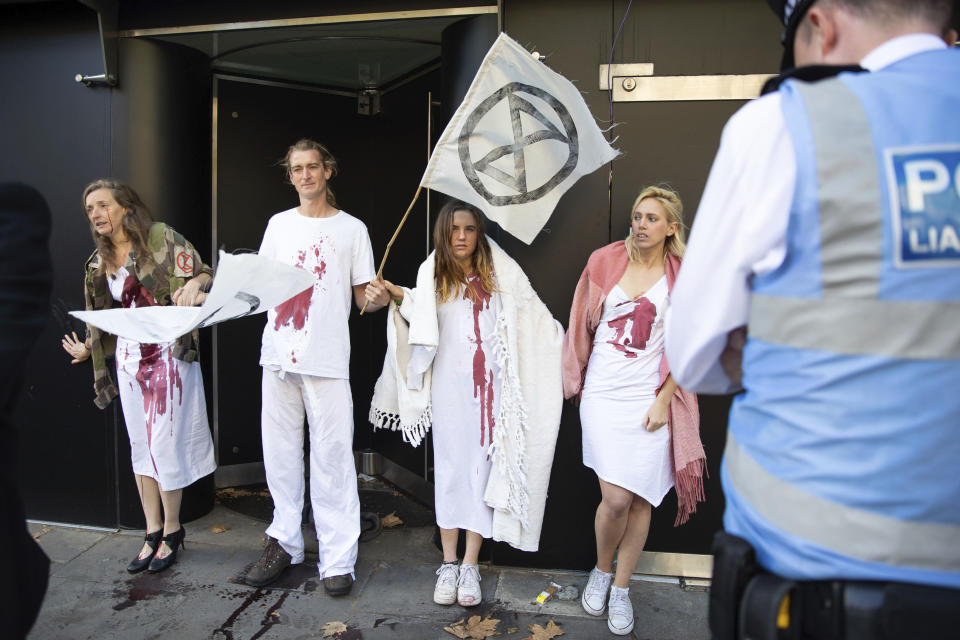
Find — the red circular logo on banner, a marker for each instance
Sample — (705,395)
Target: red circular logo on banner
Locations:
(185,262)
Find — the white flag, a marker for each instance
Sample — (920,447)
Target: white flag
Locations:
(245,284)
(522,136)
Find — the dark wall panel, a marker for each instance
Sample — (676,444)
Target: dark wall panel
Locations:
(463,47)
(675,142)
(153,130)
(55,135)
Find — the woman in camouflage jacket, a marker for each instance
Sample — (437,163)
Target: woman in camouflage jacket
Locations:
(139,263)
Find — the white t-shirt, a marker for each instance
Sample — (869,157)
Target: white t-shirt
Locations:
(308,334)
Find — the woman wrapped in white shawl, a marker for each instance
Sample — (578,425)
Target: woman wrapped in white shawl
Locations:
(473,351)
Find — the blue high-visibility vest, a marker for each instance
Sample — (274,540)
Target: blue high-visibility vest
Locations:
(843,454)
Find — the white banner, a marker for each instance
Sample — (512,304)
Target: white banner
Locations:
(522,136)
(245,284)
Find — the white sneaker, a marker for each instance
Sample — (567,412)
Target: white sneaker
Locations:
(446,590)
(468,587)
(594,598)
(620,619)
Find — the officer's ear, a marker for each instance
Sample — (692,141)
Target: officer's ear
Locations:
(816,36)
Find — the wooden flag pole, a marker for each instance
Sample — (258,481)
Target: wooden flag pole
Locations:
(390,244)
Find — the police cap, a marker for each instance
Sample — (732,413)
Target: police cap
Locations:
(790,12)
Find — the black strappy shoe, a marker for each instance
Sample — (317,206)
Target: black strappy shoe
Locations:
(174,540)
(138,564)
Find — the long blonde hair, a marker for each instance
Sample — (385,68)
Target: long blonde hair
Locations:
(448,275)
(670,200)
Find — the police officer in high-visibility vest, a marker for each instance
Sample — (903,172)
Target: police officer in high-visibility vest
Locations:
(830,229)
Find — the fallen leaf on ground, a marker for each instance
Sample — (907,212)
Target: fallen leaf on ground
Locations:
(219,528)
(552,630)
(390,520)
(334,628)
(512,630)
(43,529)
(475,628)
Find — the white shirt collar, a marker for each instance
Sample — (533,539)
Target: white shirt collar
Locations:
(899,48)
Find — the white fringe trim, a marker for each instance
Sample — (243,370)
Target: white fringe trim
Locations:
(412,433)
(512,420)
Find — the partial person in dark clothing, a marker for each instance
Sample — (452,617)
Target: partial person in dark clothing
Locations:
(25,282)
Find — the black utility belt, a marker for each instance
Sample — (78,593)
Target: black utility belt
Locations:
(746,601)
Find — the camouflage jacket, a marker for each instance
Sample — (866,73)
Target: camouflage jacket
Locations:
(170,262)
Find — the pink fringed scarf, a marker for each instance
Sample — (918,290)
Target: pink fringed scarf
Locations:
(604,269)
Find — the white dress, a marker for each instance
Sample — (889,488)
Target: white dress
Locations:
(163,402)
(465,398)
(621,382)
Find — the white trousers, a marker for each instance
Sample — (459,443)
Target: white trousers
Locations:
(328,407)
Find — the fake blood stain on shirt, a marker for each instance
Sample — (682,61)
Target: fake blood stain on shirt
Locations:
(296,310)
(482,376)
(641,316)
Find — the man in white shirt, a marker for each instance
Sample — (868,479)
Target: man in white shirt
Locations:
(305,357)
(824,259)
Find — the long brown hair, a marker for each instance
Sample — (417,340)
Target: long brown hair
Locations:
(329,162)
(670,200)
(449,276)
(135,224)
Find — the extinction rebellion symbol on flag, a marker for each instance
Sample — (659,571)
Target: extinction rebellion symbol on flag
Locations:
(521,137)
(517,181)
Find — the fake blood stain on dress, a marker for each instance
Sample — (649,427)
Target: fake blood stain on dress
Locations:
(641,315)
(482,377)
(296,310)
(156,377)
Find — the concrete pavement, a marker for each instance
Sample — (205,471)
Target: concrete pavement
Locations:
(92,596)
